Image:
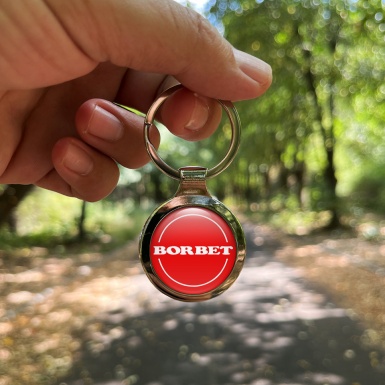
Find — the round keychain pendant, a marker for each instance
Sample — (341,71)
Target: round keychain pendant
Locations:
(192,247)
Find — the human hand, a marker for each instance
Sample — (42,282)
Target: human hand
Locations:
(63,62)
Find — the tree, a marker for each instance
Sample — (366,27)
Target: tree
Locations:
(322,53)
(10,198)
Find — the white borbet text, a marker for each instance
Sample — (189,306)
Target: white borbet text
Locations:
(192,250)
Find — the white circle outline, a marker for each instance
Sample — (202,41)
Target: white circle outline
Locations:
(185,284)
(192,215)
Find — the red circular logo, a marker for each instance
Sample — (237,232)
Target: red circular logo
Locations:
(193,250)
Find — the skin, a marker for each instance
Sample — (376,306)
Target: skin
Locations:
(62,63)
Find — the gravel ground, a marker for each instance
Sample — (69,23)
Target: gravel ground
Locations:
(96,319)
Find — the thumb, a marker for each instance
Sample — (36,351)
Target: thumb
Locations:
(159,36)
(164,37)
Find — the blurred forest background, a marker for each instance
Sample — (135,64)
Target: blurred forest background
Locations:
(312,152)
(311,164)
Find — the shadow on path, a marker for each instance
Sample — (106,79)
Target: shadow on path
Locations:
(270,328)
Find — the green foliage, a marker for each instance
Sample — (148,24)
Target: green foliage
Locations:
(47,219)
(369,190)
(43,211)
(324,113)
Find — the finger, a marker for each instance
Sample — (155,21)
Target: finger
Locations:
(190,116)
(186,114)
(77,167)
(38,119)
(119,133)
(115,132)
(161,36)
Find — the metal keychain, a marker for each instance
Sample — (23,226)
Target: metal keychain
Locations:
(192,247)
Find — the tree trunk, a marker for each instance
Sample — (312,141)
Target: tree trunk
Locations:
(327,133)
(81,223)
(331,183)
(10,199)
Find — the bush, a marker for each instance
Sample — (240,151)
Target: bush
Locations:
(369,190)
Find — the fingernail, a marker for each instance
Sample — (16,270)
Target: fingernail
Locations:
(104,125)
(200,114)
(77,160)
(253,67)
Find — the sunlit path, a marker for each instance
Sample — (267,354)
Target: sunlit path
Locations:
(270,328)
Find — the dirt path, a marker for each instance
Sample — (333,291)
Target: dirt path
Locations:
(101,322)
